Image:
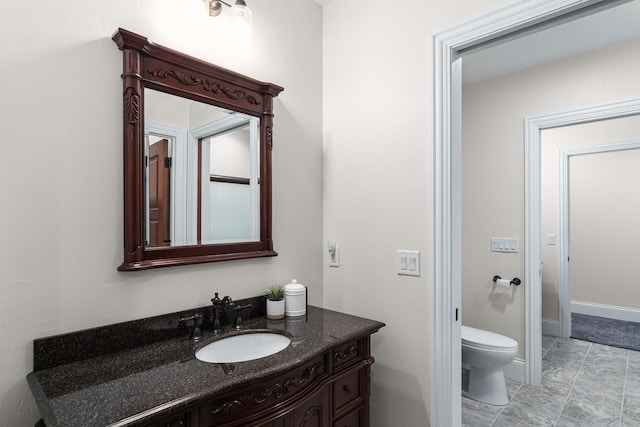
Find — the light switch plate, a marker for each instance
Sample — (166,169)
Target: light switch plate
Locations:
(408,263)
(504,244)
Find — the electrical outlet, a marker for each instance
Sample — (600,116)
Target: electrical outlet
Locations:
(334,254)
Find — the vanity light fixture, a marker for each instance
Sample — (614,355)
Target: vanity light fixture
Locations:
(238,11)
(241,31)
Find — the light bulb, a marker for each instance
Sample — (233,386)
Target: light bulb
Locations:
(241,23)
(241,12)
(215,7)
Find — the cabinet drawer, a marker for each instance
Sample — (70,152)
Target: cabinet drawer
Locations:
(347,389)
(347,354)
(178,420)
(262,397)
(352,419)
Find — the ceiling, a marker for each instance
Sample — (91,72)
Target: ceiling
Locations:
(614,25)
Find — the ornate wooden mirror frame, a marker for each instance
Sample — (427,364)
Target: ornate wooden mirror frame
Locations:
(148,65)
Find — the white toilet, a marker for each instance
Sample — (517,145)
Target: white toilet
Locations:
(485,353)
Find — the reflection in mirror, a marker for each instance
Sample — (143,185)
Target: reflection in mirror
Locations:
(201,173)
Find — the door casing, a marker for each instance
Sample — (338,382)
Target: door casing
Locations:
(514,21)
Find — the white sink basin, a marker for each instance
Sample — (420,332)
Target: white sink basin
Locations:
(240,348)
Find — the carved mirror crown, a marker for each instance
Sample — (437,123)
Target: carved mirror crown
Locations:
(176,208)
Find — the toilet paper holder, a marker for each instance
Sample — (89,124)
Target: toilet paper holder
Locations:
(514,281)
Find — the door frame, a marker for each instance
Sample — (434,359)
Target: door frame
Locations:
(564,282)
(448,47)
(177,195)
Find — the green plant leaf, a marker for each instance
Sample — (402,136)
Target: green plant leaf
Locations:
(275,293)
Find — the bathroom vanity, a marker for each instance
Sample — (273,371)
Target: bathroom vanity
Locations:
(100,377)
(178,111)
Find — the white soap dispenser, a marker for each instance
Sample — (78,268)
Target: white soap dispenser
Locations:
(295,299)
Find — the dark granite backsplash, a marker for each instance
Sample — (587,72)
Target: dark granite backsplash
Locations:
(90,343)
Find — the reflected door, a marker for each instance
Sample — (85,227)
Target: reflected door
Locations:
(159,197)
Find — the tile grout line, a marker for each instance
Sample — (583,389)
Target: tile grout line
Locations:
(505,406)
(566,399)
(555,339)
(624,386)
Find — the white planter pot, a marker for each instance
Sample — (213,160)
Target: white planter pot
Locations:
(275,309)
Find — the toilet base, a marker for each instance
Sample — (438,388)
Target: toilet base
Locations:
(487,386)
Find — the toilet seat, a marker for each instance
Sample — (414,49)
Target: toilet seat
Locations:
(486,340)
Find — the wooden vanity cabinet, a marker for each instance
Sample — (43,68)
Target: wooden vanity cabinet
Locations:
(179,420)
(329,390)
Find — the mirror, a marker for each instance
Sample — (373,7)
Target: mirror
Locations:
(197,159)
(201,173)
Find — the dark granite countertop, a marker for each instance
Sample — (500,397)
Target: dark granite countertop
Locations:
(127,387)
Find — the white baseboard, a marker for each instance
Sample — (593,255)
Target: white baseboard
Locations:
(515,370)
(551,327)
(603,310)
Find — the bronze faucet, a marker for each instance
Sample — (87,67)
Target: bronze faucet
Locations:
(218,304)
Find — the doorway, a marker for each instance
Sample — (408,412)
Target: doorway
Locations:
(513,22)
(159,166)
(601,215)
(533,139)
(589,178)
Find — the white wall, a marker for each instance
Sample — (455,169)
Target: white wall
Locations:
(605,208)
(378,61)
(61,169)
(493,197)
(165,109)
(598,183)
(231,154)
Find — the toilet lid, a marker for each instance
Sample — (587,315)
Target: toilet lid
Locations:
(485,339)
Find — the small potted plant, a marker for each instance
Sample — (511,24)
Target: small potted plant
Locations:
(275,302)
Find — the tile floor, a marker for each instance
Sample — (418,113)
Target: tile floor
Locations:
(584,384)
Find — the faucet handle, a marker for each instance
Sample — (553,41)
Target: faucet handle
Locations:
(216,300)
(195,332)
(237,324)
